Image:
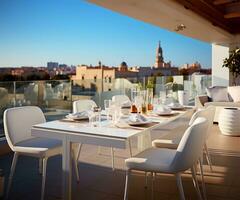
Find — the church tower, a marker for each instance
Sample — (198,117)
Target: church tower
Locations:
(159,62)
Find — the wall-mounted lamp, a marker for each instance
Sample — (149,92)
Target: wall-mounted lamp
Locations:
(180,27)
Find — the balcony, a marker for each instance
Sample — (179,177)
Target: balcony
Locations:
(55,97)
(97,180)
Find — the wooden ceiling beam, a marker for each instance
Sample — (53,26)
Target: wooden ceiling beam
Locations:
(232,15)
(221,2)
(207,11)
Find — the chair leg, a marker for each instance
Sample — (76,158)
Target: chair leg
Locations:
(195,181)
(146,180)
(40,166)
(152,184)
(202,177)
(208,157)
(44,177)
(180,186)
(126,185)
(75,161)
(130,147)
(112,152)
(14,162)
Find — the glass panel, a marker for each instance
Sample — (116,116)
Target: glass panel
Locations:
(55,97)
(7,100)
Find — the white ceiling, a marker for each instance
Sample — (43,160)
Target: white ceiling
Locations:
(167,14)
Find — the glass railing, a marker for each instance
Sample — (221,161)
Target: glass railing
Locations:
(55,97)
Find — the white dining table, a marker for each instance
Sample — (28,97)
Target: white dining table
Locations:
(103,135)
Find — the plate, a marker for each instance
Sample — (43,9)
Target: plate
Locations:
(139,123)
(164,114)
(76,118)
(178,108)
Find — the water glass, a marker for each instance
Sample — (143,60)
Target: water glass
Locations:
(117,114)
(107,105)
(138,102)
(134,94)
(115,110)
(94,116)
(163,94)
(156,101)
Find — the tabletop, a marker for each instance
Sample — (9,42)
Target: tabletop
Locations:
(106,129)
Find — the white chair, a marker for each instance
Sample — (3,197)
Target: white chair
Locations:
(173,142)
(81,105)
(209,114)
(121,98)
(172,161)
(17,126)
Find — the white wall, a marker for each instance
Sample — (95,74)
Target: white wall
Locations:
(220,75)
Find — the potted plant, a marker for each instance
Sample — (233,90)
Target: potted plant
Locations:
(233,64)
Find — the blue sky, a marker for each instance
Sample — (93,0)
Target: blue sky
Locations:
(33,32)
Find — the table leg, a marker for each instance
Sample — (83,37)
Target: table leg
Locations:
(144,141)
(66,169)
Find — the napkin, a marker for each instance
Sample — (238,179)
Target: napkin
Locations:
(78,115)
(137,118)
(162,109)
(126,104)
(175,105)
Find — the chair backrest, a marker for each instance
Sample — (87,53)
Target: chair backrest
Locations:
(82,105)
(191,145)
(207,113)
(19,121)
(121,98)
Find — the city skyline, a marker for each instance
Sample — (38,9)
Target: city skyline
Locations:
(76,32)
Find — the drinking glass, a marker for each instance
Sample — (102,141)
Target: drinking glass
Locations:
(117,114)
(115,110)
(91,117)
(138,103)
(155,102)
(107,105)
(162,96)
(95,116)
(134,93)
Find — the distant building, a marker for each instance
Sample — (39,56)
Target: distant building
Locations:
(188,69)
(26,72)
(93,75)
(98,77)
(159,62)
(196,66)
(62,66)
(52,65)
(123,67)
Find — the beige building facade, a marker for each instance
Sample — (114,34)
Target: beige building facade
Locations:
(99,78)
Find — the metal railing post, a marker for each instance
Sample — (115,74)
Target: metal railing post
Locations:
(14,94)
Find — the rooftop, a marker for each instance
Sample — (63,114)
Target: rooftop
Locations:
(98,181)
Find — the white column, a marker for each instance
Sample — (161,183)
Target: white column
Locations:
(220,75)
